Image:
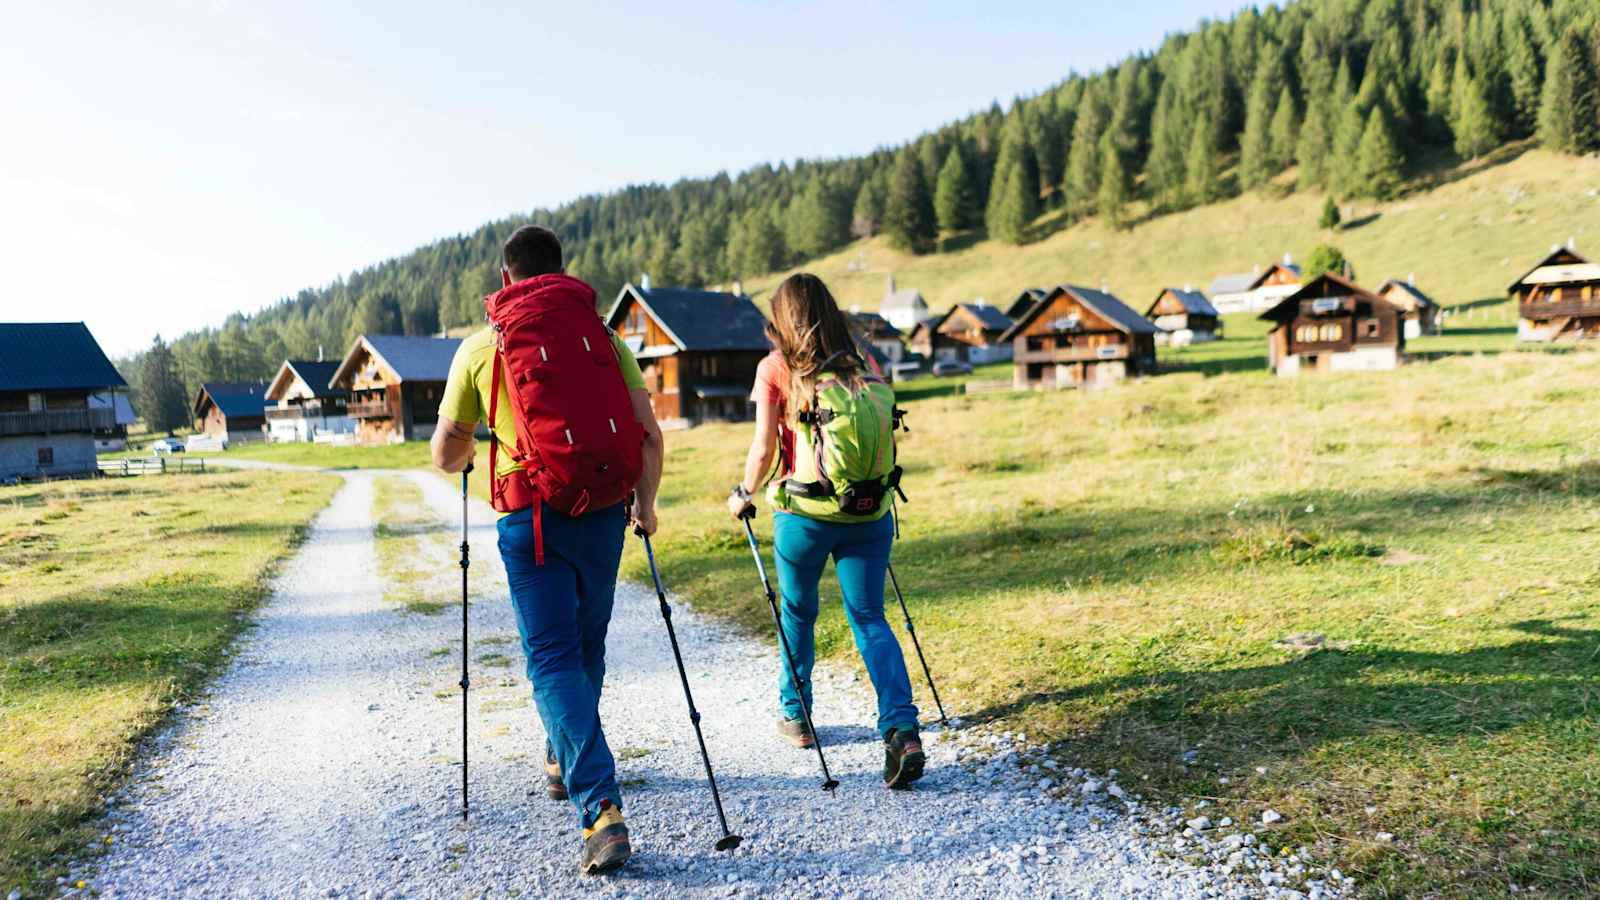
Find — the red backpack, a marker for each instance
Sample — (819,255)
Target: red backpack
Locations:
(578,444)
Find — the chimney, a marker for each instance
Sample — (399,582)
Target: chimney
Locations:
(890,289)
(855,309)
(1572,242)
(1105,286)
(1255,269)
(644,282)
(1411,279)
(1288,259)
(319,353)
(1187,287)
(738,287)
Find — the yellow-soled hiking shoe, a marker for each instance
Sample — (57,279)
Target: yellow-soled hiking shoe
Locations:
(605,843)
(554,788)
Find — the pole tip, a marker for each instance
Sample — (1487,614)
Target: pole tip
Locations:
(830,785)
(729,842)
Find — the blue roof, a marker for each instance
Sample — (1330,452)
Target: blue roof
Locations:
(1110,308)
(236,399)
(316,375)
(1194,302)
(53,356)
(992,318)
(699,320)
(414,358)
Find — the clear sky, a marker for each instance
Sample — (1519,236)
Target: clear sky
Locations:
(167,163)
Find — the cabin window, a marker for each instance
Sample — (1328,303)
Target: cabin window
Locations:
(1369,328)
(35,403)
(708,366)
(47,457)
(1332,333)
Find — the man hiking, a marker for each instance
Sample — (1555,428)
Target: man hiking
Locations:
(573,436)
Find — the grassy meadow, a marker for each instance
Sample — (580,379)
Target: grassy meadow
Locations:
(118,599)
(1368,602)
(1466,231)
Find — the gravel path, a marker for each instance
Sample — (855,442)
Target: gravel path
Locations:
(325,762)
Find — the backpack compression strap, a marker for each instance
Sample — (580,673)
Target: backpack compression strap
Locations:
(509,486)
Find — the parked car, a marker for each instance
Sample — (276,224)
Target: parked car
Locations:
(166,445)
(905,371)
(951,367)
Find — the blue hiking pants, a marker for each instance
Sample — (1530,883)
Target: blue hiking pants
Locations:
(563,610)
(861,560)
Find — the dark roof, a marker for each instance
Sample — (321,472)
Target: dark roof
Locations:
(413,358)
(1233,284)
(698,320)
(1267,272)
(1408,287)
(874,325)
(992,318)
(1194,302)
(316,375)
(53,356)
(1109,307)
(236,399)
(1310,290)
(1024,302)
(1559,256)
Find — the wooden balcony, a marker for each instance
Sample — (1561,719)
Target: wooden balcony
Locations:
(1102,353)
(57,421)
(368,409)
(1559,309)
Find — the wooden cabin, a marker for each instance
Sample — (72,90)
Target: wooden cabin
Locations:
(1024,302)
(1333,325)
(698,351)
(232,412)
(1559,299)
(1078,337)
(879,333)
(304,405)
(967,332)
(1184,317)
(394,384)
(1422,315)
(1256,290)
(48,422)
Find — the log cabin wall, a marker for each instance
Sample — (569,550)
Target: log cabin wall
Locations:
(1067,342)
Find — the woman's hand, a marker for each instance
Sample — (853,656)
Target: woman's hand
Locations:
(740,504)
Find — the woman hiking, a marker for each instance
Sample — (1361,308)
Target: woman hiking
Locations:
(824,445)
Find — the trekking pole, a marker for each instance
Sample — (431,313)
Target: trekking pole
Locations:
(828,781)
(465,680)
(912,630)
(729,840)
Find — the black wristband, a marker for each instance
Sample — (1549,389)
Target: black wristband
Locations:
(741,493)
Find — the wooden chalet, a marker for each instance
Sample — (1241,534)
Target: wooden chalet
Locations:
(880,334)
(1024,302)
(698,350)
(1421,313)
(1559,299)
(1333,325)
(304,405)
(967,332)
(394,383)
(1185,317)
(1256,290)
(48,424)
(232,412)
(1078,337)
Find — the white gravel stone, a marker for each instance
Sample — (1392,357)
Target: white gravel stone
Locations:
(1200,823)
(1271,817)
(329,763)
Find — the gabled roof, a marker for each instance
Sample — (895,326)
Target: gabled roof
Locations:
(991,318)
(874,325)
(1267,273)
(1315,288)
(316,374)
(1237,283)
(906,298)
(1419,297)
(53,356)
(1024,302)
(698,320)
(1114,311)
(241,399)
(409,358)
(1194,302)
(1560,257)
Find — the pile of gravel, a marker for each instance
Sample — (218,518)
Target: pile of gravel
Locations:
(326,762)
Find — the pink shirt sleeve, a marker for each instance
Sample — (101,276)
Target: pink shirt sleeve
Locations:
(772,376)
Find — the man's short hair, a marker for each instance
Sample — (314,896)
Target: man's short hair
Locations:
(532,250)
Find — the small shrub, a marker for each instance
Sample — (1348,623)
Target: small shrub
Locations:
(1282,543)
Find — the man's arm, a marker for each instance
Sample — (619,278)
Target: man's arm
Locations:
(452,444)
(644,503)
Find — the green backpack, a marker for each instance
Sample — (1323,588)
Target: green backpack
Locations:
(844,466)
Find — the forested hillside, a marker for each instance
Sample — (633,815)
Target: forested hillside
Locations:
(1357,96)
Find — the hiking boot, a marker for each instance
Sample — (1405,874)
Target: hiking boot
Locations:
(795,732)
(903,759)
(605,843)
(554,787)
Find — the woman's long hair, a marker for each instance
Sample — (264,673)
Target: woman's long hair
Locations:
(811,333)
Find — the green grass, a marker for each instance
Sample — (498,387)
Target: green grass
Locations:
(408,455)
(118,599)
(406,537)
(1466,232)
(1115,573)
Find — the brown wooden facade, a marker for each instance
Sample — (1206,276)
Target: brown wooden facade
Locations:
(394,385)
(1422,315)
(1559,299)
(232,412)
(1080,338)
(1333,325)
(1179,310)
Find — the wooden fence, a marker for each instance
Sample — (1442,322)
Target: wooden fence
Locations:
(150,465)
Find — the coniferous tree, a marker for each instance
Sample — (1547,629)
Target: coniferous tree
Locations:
(1324,258)
(866,219)
(162,396)
(1083,160)
(756,245)
(1522,72)
(1200,167)
(1379,161)
(1330,214)
(1438,99)
(1282,132)
(1255,147)
(908,216)
(1014,195)
(1115,186)
(1164,166)
(1475,130)
(818,220)
(955,198)
(1568,105)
